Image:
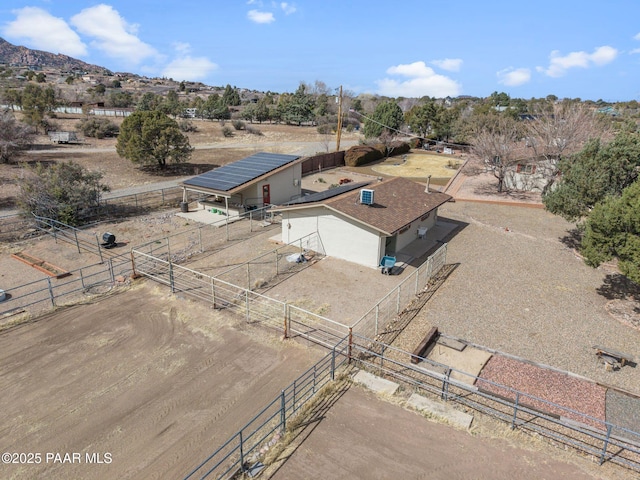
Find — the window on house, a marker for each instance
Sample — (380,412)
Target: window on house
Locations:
(528,169)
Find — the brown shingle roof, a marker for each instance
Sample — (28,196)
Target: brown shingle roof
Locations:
(397,203)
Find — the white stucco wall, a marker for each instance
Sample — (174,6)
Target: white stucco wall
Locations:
(340,237)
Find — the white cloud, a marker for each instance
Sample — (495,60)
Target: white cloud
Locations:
(288,8)
(422,81)
(636,36)
(559,65)
(189,68)
(181,47)
(513,77)
(43,31)
(112,34)
(260,17)
(449,64)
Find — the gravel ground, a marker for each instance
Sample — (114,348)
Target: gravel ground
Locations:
(518,289)
(551,385)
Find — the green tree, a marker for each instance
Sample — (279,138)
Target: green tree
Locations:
(613,231)
(41,77)
(66,191)
(171,104)
(36,103)
(230,97)
(120,99)
(386,117)
(14,137)
(149,101)
(297,108)
(422,117)
(597,171)
(152,138)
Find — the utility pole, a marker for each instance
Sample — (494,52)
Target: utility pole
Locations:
(339,129)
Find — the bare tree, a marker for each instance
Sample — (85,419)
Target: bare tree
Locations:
(497,143)
(560,129)
(14,136)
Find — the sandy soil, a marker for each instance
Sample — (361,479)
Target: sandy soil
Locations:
(386,441)
(155,382)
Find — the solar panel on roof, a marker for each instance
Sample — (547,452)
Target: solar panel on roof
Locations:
(238,173)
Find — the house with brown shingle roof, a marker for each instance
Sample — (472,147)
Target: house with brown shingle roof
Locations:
(362,225)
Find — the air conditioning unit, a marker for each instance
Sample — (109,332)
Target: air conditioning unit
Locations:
(366,196)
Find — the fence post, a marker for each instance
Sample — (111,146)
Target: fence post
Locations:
(133,265)
(606,444)
(398,301)
(241,452)
(53,303)
(313,389)
(283,411)
(213,292)
(81,279)
(200,239)
(99,249)
(248,276)
(173,288)
(333,363)
(111,272)
(445,385)
(246,300)
(350,345)
(284,317)
(515,411)
(75,233)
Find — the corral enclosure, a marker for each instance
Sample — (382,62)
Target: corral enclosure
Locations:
(152,380)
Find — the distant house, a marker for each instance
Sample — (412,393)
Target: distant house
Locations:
(253,182)
(361,223)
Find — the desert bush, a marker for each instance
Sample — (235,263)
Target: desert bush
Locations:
(361,155)
(324,129)
(98,128)
(239,124)
(227,131)
(254,131)
(187,126)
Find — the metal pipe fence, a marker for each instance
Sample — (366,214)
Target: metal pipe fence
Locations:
(211,237)
(38,297)
(593,436)
(245,450)
(372,323)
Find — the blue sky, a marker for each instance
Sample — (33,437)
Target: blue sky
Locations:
(410,48)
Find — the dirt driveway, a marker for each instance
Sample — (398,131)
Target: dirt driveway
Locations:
(149,383)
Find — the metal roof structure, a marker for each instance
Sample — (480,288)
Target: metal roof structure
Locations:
(229,177)
(332,192)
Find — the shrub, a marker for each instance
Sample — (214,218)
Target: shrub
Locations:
(239,125)
(254,131)
(325,129)
(361,155)
(187,126)
(227,132)
(98,128)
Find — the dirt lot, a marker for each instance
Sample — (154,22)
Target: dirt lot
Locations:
(154,381)
(387,441)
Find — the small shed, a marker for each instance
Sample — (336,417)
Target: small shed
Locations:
(253,182)
(362,222)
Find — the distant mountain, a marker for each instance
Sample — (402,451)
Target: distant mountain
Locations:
(22,56)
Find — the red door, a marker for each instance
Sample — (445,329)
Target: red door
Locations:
(266,194)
